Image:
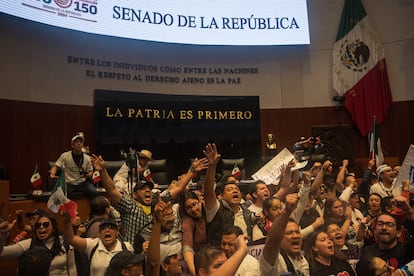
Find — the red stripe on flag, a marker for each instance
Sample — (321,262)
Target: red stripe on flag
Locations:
(370,96)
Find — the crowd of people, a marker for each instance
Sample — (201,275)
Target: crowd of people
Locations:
(301,225)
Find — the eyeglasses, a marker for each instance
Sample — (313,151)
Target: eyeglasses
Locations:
(386,223)
(232,189)
(109,226)
(40,224)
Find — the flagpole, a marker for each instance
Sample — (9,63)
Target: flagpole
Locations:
(372,138)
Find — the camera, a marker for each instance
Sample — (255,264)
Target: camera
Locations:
(339,99)
(131,158)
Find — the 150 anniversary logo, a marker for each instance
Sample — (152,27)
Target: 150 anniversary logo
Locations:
(71,9)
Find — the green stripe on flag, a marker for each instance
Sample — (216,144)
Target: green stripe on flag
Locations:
(60,182)
(352,13)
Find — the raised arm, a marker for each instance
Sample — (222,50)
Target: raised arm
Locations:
(113,193)
(153,258)
(197,166)
(339,184)
(5,228)
(277,230)
(230,266)
(363,188)
(347,222)
(347,192)
(213,158)
(303,198)
(286,181)
(402,203)
(316,184)
(76,241)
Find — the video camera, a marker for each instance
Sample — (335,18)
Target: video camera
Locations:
(131,158)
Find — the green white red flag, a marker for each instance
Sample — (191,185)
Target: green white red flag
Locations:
(58,200)
(96,177)
(359,68)
(147,174)
(36,179)
(236,173)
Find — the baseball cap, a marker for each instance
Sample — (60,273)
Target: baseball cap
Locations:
(383,168)
(39,212)
(108,221)
(77,136)
(142,184)
(167,250)
(122,259)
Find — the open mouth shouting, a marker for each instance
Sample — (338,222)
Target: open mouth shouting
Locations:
(107,237)
(295,245)
(147,198)
(42,234)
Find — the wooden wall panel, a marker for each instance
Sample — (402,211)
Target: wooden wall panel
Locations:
(34,133)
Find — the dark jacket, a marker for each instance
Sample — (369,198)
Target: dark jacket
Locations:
(224,218)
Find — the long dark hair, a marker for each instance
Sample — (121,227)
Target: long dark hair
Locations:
(267,204)
(310,254)
(57,245)
(183,198)
(330,201)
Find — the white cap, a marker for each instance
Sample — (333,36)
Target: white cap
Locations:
(382,168)
(167,250)
(77,136)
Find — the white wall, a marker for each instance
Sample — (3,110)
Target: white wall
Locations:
(34,61)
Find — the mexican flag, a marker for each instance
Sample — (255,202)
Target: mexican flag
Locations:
(236,173)
(375,149)
(58,200)
(36,179)
(148,175)
(359,68)
(96,177)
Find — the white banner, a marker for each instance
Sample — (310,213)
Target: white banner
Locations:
(255,248)
(407,168)
(270,172)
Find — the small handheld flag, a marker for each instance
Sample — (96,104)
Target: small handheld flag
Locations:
(96,177)
(147,174)
(58,200)
(236,173)
(36,179)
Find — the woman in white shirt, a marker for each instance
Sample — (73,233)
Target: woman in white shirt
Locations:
(46,235)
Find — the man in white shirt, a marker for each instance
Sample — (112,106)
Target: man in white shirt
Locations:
(259,191)
(386,185)
(77,167)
